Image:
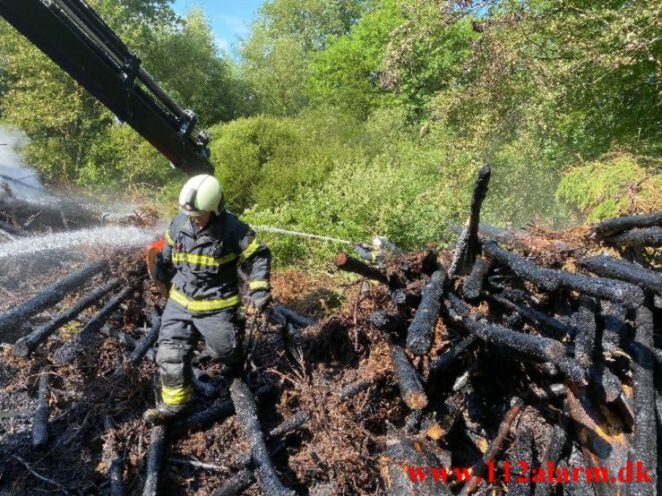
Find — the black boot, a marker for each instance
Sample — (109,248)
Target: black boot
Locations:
(165,414)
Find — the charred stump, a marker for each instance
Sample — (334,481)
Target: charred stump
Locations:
(468,244)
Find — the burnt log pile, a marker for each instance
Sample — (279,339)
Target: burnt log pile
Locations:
(463,371)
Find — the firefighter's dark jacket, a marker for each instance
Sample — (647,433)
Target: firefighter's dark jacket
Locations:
(206,261)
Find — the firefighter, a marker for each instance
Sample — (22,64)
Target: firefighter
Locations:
(205,247)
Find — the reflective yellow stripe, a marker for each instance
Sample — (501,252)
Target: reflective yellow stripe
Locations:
(204,305)
(177,395)
(250,249)
(203,260)
(258,285)
(169,238)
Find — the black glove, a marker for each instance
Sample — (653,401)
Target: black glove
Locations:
(163,269)
(260,300)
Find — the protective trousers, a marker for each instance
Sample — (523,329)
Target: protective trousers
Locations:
(222,331)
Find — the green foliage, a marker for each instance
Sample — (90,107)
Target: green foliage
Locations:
(346,74)
(615,185)
(276,56)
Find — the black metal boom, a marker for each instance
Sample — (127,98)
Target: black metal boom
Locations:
(73,35)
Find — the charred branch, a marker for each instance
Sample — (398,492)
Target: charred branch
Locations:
(610,227)
(584,321)
(473,284)
(644,443)
(535,348)
(85,339)
(552,280)
(15,318)
(216,413)
(495,446)
(607,266)
(448,358)
(468,244)
(155,453)
(614,326)
(28,344)
(358,386)
(236,484)
(246,411)
(143,346)
(41,413)
(555,327)
(349,264)
(411,388)
(421,329)
(649,236)
(292,317)
(289,425)
(112,459)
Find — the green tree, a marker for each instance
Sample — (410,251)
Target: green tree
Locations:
(276,56)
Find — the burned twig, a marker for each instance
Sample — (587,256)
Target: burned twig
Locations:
(142,347)
(556,327)
(473,283)
(448,358)
(644,443)
(411,389)
(354,388)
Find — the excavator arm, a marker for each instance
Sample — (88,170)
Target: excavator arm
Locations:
(73,35)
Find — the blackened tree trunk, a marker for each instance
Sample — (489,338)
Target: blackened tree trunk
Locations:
(610,227)
(41,413)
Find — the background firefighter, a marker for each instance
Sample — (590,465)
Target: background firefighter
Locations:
(205,247)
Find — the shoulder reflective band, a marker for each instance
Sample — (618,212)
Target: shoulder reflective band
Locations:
(260,284)
(250,249)
(204,305)
(176,395)
(192,259)
(169,238)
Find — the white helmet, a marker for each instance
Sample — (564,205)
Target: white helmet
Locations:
(202,193)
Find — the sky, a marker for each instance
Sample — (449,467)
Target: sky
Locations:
(230,19)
